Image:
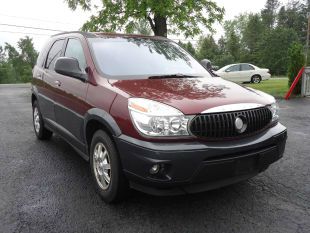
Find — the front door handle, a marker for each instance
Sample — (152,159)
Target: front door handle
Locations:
(57,83)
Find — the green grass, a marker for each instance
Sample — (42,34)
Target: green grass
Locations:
(276,87)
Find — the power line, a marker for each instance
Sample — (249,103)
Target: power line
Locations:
(37,19)
(36,28)
(56,30)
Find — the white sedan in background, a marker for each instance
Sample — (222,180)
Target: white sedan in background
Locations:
(243,72)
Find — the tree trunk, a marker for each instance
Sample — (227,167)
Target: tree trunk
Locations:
(160,26)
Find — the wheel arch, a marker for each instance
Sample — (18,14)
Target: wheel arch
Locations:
(256,75)
(99,119)
(33,98)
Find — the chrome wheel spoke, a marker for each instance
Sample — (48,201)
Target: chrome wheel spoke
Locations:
(106,177)
(36,120)
(102,166)
(96,155)
(99,149)
(104,155)
(106,166)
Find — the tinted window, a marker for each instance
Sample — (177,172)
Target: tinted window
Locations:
(245,67)
(42,55)
(125,57)
(53,54)
(75,50)
(233,68)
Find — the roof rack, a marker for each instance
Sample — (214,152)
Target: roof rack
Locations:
(86,34)
(110,34)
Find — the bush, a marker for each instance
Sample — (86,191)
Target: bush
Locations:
(296,62)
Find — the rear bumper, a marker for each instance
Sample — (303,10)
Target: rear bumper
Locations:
(191,167)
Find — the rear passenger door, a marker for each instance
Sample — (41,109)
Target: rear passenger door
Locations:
(48,95)
(246,72)
(71,107)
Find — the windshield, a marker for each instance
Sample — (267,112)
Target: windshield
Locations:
(125,58)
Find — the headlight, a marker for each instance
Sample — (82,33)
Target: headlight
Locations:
(152,118)
(274,108)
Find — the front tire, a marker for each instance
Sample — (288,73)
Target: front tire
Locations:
(41,132)
(256,79)
(106,169)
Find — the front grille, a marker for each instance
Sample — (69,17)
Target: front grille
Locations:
(222,125)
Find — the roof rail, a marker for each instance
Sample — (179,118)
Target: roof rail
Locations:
(86,34)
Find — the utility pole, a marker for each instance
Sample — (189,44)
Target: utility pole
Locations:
(308,34)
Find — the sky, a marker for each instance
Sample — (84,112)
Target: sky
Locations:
(55,14)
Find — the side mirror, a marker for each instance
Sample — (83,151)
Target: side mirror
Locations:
(70,67)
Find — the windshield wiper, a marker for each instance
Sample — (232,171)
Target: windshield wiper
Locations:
(173,76)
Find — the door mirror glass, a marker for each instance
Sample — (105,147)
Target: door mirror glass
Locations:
(70,67)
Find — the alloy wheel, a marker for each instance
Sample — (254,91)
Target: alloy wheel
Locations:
(102,166)
(36,120)
(256,79)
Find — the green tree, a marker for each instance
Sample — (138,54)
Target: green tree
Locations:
(224,57)
(16,64)
(234,45)
(296,61)
(2,54)
(140,27)
(189,47)
(273,49)
(185,16)
(28,53)
(294,16)
(234,31)
(3,67)
(282,17)
(251,37)
(207,48)
(269,13)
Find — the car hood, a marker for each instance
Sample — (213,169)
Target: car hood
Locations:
(192,95)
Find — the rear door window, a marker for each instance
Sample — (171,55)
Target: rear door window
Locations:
(53,54)
(246,67)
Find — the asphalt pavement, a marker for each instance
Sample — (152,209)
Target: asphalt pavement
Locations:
(46,186)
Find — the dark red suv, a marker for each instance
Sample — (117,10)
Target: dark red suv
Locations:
(148,116)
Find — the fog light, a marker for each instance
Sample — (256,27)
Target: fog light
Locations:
(155,169)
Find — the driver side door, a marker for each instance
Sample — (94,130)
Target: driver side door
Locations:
(232,73)
(71,106)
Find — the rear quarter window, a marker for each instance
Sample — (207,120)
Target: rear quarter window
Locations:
(54,53)
(42,55)
(245,67)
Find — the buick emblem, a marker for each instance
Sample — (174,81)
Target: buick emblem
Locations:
(240,125)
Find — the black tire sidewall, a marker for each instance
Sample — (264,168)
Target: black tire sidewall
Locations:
(116,184)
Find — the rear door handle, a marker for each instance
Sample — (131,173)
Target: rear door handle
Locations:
(57,83)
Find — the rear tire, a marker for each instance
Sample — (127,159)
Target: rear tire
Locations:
(106,169)
(256,79)
(38,125)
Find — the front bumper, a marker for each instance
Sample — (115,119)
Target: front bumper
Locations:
(191,167)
